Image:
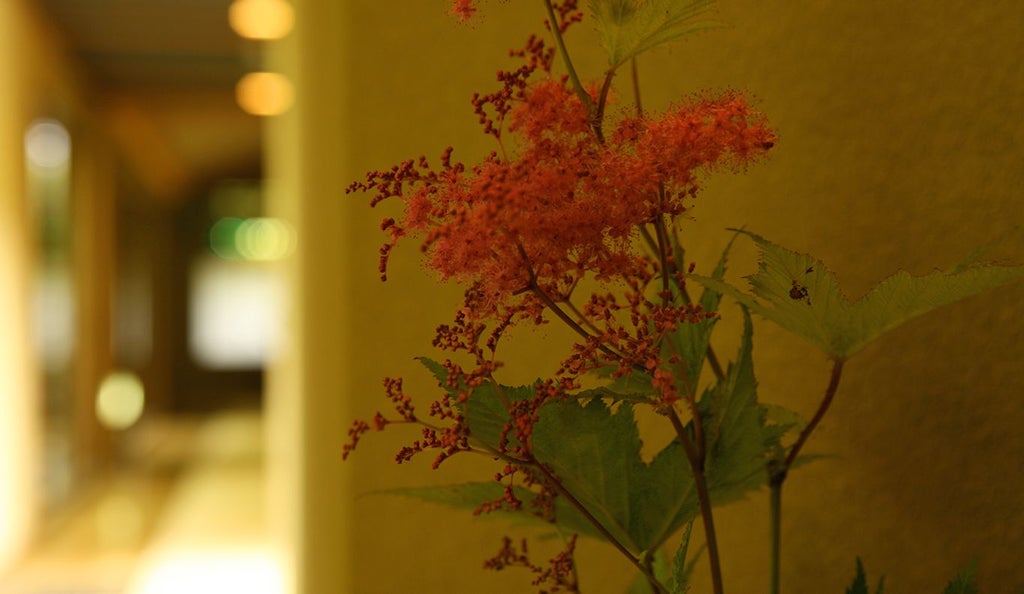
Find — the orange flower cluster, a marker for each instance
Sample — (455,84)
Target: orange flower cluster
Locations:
(565,205)
(560,202)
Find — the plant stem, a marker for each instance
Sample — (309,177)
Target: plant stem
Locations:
(635,75)
(777,475)
(712,358)
(560,488)
(577,85)
(648,561)
(707,518)
(602,100)
(830,392)
(662,237)
(775,503)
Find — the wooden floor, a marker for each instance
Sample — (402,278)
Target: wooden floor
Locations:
(187,516)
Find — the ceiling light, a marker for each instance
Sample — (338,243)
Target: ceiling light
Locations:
(265,93)
(261,19)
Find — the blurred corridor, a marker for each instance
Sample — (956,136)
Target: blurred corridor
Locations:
(187,515)
(139,301)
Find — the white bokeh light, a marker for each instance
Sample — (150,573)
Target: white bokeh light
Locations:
(47,144)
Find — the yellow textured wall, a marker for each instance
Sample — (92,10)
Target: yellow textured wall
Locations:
(901,147)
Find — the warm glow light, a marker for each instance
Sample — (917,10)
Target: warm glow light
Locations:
(212,572)
(120,400)
(261,19)
(47,144)
(265,93)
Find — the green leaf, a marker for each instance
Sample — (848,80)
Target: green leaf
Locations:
(595,453)
(662,572)
(463,496)
(485,410)
(631,27)
(634,387)
(471,495)
(734,428)
(681,570)
(797,292)
(965,582)
(690,341)
(860,581)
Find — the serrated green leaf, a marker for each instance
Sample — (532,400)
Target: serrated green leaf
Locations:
(596,456)
(965,582)
(975,256)
(797,292)
(681,570)
(690,341)
(734,428)
(779,421)
(631,27)
(860,581)
(621,391)
(485,410)
(595,453)
(471,495)
(435,369)
(487,414)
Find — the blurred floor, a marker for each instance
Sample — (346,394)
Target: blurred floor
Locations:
(188,516)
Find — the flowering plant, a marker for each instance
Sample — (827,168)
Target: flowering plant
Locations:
(577,218)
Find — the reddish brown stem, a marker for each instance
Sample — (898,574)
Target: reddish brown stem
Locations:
(704,498)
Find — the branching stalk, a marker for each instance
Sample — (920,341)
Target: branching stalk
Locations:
(775,503)
(648,561)
(602,100)
(560,488)
(826,401)
(778,474)
(554,307)
(573,77)
(707,518)
(712,358)
(635,76)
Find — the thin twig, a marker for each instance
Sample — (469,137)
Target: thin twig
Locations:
(830,392)
(636,87)
(712,358)
(779,471)
(602,99)
(707,518)
(577,85)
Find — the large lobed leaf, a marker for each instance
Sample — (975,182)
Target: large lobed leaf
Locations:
(470,495)
(799,293)
(691,341)
(595,453)
(631,27)
(735,428)
(593,446)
